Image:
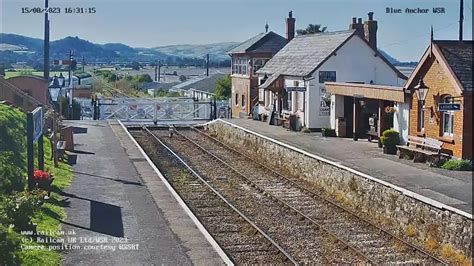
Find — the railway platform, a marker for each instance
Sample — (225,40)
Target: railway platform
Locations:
(452,188)
(120,211)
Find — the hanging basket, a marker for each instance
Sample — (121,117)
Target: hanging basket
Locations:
(390,110)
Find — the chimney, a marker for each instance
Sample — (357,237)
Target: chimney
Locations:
(370,31)
(290,27)
(357,26)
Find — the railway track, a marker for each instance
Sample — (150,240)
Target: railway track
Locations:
(242,240)
(298,234)
(370,241)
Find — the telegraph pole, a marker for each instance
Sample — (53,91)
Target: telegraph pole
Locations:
(70,84)
(83,64)
(46,44)
(461,17)
(46,77)
(156,70)
(159,70)
(207,65)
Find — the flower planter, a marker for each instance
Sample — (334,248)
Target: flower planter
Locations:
(390,150)
(44,184)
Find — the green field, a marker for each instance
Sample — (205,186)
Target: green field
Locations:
(29,72)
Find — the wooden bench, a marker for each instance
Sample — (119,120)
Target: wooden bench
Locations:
(422,148)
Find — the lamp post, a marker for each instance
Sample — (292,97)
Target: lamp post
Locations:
(54,90)
(421,91)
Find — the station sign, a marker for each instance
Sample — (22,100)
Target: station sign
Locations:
(443,107)
(295,89)
(38,123)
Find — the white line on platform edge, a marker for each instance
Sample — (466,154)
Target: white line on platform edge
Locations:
(405,191)
(183,205)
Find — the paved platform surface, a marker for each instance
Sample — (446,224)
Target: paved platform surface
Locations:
(115,193)
(453,188)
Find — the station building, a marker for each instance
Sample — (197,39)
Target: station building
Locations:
(443,81)
(247,58)
(293,81)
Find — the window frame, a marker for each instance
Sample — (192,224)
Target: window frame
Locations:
(448,131)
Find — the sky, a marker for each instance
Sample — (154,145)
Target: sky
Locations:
(151,23)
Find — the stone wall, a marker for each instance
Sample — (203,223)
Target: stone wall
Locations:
(433,228)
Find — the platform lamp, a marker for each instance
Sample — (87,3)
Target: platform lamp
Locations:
(421,91)
(54,90)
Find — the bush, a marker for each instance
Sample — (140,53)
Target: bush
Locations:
(390,138)
(12,177)
(19,208)
(328,132)
(457,165)
(305,130)
(9,244)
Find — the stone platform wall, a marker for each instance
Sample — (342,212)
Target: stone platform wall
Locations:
(426,225)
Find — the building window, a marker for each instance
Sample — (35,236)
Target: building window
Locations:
(239,65)
(243,100)
(421,116)
(327,76)
(237,99)
(258,63)
(448,119)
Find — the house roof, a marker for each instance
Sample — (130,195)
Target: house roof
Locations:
(207,84)
(269,42)
(305,53)
(202,83)
(455,57)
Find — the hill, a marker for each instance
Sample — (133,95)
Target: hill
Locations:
(216,51)
(17,48)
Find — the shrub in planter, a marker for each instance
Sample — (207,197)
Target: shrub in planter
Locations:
(390,139)
(305,130)
(457,165)
(328,132)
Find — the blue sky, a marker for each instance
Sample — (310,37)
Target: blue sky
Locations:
(150,23)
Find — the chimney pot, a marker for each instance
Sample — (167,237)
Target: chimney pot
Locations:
(290,27)
(359,21)
(354,20)
(371,16)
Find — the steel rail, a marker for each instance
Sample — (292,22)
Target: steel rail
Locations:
(293,183)
(253,184)
(261,231)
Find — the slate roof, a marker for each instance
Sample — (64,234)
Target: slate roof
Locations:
(458,55)
(269,42)
(305,53)
(202,84)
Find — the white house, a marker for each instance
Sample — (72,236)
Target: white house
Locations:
(293,81)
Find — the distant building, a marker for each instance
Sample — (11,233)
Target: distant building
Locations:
(16,97)
(247,58)
(446,71)
(201,88)
(293,81)
(35,87)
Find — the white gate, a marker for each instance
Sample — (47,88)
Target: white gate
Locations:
(163,110)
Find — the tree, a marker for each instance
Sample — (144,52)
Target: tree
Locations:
(312,28)
(135,66)
(223,89)
(182,78)
(143,78)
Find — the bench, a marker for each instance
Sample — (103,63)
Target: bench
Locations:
(422,148)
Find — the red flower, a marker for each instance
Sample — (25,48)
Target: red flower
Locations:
(41,175)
